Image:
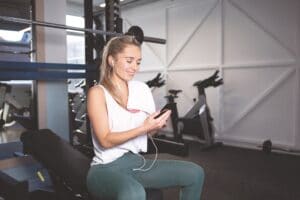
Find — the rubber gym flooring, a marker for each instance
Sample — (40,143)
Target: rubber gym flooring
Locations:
(244,174)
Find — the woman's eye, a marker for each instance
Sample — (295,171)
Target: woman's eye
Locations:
(129,61)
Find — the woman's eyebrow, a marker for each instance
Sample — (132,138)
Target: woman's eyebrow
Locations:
(130,57)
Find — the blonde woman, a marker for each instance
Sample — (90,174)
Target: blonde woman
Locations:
(122,115)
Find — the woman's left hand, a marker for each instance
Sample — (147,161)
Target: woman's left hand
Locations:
(157,123)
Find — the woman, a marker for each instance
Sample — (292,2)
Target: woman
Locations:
(122,114)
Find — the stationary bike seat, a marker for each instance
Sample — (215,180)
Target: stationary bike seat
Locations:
(174,92)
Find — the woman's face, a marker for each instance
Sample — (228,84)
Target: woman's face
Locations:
(126,63)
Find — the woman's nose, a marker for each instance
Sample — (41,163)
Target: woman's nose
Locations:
(135,66)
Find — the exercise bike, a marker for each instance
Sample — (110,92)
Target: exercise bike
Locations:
(163,143)
(198,120)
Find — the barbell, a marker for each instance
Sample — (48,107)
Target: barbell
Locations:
(134,30)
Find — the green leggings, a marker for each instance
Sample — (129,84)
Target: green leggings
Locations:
(118,181)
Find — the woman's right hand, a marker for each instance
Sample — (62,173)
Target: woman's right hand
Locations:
(152,124)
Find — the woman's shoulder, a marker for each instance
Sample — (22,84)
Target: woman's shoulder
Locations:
(96,99)
(96,90)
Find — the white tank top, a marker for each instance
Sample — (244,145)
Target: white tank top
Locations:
(140,105)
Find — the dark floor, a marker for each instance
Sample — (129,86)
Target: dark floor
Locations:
(243,174)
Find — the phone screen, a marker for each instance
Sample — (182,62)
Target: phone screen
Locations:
(163,110)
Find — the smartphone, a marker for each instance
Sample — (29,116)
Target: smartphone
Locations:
(163,110)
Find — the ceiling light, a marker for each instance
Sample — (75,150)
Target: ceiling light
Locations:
(102,5)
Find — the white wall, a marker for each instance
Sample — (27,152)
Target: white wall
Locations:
(255,45)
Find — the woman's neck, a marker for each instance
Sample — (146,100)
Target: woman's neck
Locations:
(121,87)
(119,83)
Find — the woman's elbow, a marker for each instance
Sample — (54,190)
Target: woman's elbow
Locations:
(103,139)
(105,144)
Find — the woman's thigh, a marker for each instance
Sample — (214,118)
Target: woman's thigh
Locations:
(109,183)
(168,173)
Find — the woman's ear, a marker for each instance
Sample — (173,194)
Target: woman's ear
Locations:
(111,61)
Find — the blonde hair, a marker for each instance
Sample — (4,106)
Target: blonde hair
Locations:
(114,46)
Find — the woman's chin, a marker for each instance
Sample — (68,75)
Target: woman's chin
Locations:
(130,77)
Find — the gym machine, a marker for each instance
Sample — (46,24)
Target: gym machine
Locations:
(198,120)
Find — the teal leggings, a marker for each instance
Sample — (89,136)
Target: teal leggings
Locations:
(117,180)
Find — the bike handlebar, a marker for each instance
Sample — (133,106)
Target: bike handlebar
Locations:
(213,80)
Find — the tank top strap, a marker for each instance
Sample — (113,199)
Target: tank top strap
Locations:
(110,101)
(107,95)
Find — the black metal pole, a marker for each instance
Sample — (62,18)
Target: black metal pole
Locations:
(34,89)
(89,58)
(113,21)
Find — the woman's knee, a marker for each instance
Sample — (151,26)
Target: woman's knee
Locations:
(132,192)
(196,173)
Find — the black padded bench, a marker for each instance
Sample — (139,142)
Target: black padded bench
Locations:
(66,165)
